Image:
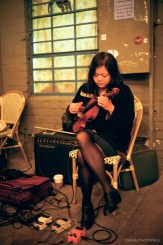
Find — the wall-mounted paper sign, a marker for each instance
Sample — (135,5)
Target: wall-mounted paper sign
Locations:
(103,37)
(123,9)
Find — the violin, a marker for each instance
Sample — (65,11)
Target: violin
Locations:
(90,112)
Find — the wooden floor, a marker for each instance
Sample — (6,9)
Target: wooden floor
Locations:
(139,218)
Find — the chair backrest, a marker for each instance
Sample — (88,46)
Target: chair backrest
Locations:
(12,104)
(136,125)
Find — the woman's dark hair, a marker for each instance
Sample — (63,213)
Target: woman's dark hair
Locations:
(110,63)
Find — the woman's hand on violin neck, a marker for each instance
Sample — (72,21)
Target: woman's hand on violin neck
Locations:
(74,107)
(105,103)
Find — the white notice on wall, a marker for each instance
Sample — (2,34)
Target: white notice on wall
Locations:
(123,9)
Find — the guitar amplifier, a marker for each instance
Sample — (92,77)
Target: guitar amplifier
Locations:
(51,152)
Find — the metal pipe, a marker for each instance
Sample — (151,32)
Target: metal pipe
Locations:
(151,78)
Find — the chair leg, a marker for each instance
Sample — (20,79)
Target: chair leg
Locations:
(21,148)
(134,177)
(74,179)
(115,177)
(24,155)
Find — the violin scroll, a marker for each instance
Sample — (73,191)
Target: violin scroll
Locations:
(112,93)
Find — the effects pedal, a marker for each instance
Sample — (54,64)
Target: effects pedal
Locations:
(45,218)
(65,223)
(57,228)
(39,225)
(76,234)
(61,224)
(42,222)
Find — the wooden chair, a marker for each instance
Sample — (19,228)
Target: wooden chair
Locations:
(12,104)
(115,161)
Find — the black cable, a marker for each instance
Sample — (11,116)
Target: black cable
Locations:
(8,218)
(45,241)
(111,235)
(66,199)
(52,243)
(60,200)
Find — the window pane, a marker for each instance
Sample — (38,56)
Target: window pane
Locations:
(82,73)
(86,44)
(86,30)
(41,35)
(85,4)
(41,23)
(42,63)
(85,17)
(79,84)
(59,33)
(64,61)
(42,75)
(84,60)
(40,48)
(65,87)
(61,20)
(39,10)
(43,88)
(59,7)
(64,74)
(64,46)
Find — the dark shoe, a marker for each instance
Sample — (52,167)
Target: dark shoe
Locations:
(111,201)
(87,216)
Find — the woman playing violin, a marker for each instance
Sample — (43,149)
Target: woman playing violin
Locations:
(106,134)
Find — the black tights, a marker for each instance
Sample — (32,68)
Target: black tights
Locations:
(91,162)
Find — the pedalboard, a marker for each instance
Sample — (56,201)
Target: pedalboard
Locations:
(60,225)
(75,235)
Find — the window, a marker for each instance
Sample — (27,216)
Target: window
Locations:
(62,44)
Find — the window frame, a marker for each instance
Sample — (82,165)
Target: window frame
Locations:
(56,54)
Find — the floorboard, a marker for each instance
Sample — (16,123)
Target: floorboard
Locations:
(139,217)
